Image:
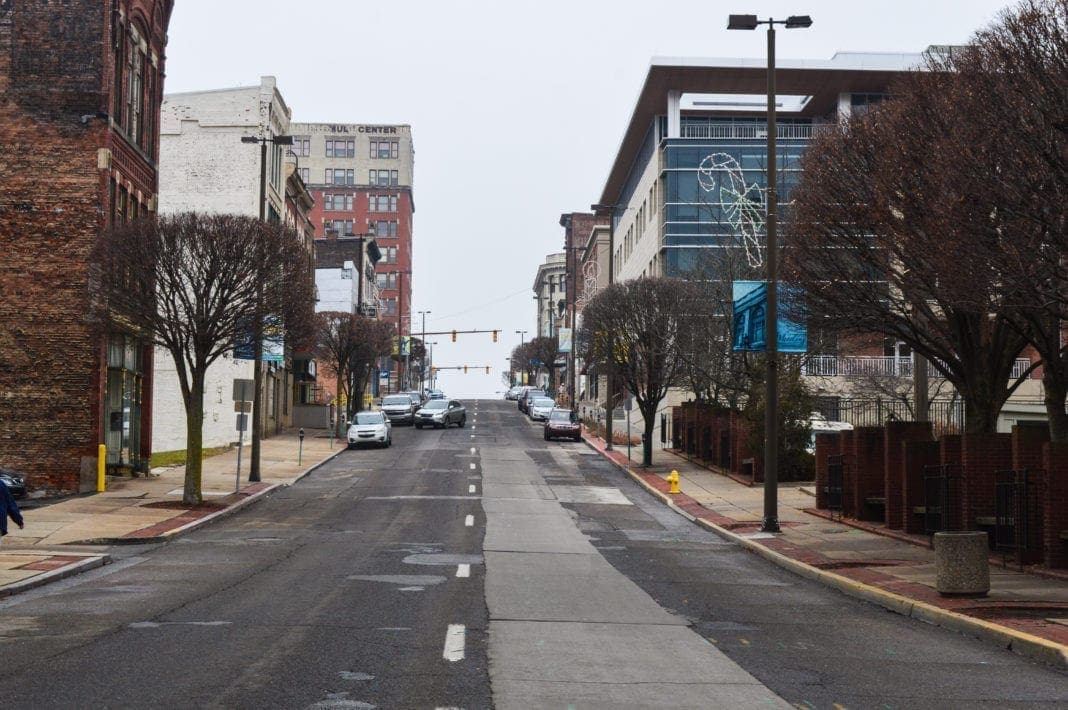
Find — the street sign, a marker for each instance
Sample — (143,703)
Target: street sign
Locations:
(242,422)
(245,407)
(242,390)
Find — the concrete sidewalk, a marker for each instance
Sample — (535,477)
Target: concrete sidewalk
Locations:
(66,537)
(1024,611)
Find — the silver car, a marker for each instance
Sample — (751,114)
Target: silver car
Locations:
(441,413)
(540,408)
(370,428)
(399,407)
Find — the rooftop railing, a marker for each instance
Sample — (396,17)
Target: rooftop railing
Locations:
(879,366)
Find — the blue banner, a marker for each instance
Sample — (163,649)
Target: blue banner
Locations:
(750,318)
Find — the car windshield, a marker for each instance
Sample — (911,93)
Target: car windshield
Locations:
(561,415)
(369,418)
(436,404)
(404,400)
(543,402)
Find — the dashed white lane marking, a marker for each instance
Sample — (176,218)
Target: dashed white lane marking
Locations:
(472,436)
(469,521)
(471,489)
(472,449)
(463,570)
(454,643)
(472,467)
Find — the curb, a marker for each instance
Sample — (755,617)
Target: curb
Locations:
(1023,643)
(39,580)
(194,524)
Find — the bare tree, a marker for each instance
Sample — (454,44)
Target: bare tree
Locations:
(543,350)
(886,237)
(348,345)
(632,331)
(374,340)
(192,284)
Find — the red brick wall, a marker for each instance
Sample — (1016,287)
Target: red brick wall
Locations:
(1027,446)
(896,434)
(981,456)
(915,456)
(869,477)
(1055,519)
(849,472)
(827,445)
(54,68)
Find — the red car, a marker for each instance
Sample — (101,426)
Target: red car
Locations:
(563,422)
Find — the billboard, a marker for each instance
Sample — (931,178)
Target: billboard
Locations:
(564,339)
(750,314)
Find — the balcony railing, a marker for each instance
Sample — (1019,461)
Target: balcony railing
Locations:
(878,366)
(748,130)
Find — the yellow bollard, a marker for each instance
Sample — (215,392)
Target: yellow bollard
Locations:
(673,479)
(101,467)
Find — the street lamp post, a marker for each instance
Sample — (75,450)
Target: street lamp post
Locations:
(422,374)
(400,331)
(771,327)
(522,341)
(257,334)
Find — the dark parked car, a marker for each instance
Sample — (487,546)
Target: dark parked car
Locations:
(399,407)
(441,413)
(563,423)
(14,481)
(529,396)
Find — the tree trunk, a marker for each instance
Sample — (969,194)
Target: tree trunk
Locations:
(194,437)
(1055,391)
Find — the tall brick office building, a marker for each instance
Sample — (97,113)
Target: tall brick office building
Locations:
(80,89)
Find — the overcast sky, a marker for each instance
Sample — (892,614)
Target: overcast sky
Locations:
(516,109)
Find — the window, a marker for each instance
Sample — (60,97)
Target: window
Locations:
(386,229)
(337,202)
(337,176)
(340,148)
(338,227)
(381,280)
(301,147)
(392,203)
(304,175)
(393,177)
(385,149)
(391,255)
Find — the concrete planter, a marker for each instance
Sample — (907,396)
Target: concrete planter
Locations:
(962,563)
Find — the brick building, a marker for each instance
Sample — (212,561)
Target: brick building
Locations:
(80,89)
(361,177)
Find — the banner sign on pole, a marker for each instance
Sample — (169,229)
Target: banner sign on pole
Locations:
(750,314)
(564,338)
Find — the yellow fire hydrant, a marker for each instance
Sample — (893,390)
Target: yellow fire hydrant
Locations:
(673,480)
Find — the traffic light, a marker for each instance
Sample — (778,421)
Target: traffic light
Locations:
(454,336)
(465,369)
(487,367)
(494,340)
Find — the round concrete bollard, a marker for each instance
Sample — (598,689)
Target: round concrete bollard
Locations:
(962,563)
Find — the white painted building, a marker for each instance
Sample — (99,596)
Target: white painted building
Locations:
(205,167)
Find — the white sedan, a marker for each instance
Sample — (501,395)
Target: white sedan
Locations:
(370,428)
(540,408)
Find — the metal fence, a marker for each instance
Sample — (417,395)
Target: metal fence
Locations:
(1017,514)
(942,498)
(946,416)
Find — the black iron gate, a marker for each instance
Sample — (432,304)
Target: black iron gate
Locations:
(835,477)
(1017,521)
(941,498)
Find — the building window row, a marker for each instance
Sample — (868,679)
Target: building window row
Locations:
(301,147)
(385,149)
(135,91)
(382,203)
(385,229)
(305,175)
(382,177)
(340,149)
(337,202)
(339,227)
(339,176)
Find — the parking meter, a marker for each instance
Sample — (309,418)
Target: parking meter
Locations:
(300,447)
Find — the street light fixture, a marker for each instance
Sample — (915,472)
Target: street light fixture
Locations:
(257,335)
(771,409)
(422,374)
(522,341)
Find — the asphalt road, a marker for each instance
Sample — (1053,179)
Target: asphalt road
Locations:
(342,591)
